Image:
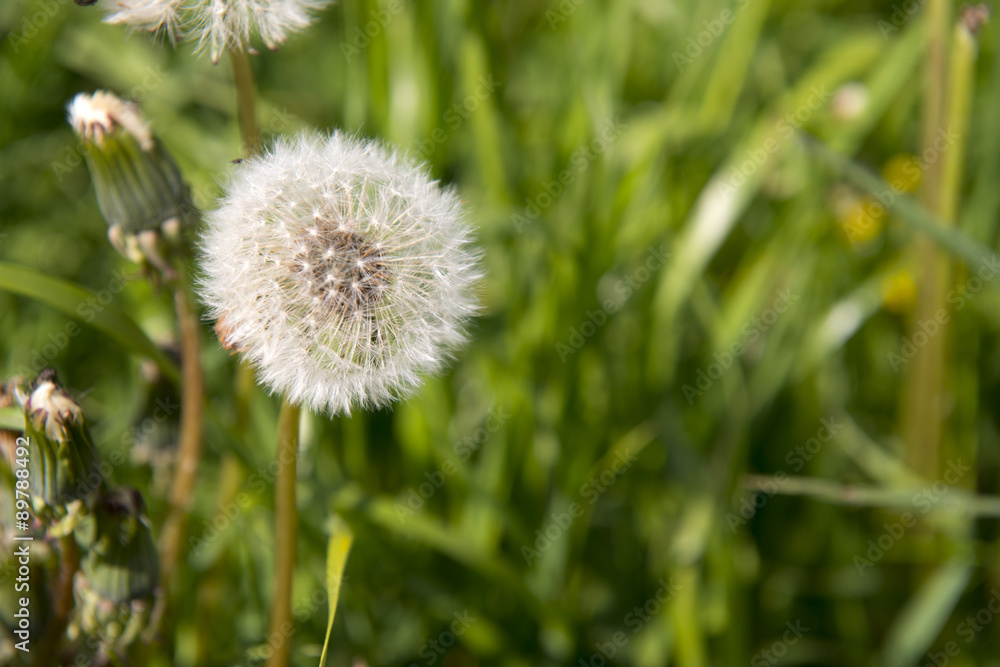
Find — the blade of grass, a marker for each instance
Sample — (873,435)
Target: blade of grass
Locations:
(77,302)
(912,213)
(337,551)
(921,621)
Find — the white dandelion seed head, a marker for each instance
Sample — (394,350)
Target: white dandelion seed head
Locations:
(217,25)
(148,15)
(340,270)
(98,115)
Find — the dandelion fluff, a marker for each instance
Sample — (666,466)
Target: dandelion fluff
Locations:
(340,270)
(217,25)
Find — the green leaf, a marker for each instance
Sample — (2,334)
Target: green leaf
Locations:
(12,419)
(338,548)
(72,300)
(925,614)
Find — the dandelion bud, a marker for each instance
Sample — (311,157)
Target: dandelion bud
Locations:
(120,568)
(139,188)
(341,271)
(62,460)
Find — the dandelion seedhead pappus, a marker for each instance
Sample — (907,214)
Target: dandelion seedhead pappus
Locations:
(340,270)
(216,25)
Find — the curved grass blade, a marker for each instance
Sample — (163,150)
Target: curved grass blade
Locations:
(338,548)
(909,210)
(72,300)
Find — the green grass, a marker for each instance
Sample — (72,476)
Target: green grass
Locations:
(501,99)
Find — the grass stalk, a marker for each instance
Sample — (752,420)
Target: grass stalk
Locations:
(922,409)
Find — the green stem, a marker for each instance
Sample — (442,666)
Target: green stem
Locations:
(922,410)
(62,601)
(954,498)
(189,448)
(963,362)
(246,110)
(285,533)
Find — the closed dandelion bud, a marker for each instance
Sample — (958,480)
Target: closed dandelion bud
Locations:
(120,562)
(139,188)
(120,568)
(62,461)
(340,270)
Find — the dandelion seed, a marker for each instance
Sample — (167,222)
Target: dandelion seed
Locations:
(343,295)
(217,25)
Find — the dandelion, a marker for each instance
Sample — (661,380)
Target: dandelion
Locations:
(63,465)
(118,572)
(339,270)
(139,188)
(217,25)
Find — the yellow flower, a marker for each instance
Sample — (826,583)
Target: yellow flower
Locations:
(903,173)
(862,220)
(899,292)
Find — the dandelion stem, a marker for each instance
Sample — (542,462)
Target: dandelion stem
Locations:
(285,531)
(62,602)
(189,449)
(245,106)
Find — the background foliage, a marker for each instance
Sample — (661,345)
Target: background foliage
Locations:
(483,497)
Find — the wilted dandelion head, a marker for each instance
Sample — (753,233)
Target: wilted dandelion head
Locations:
(217,25)
(51,408)
(339,270)
(139,188)
(96,116)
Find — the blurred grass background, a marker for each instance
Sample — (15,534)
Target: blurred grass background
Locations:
(603,149)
